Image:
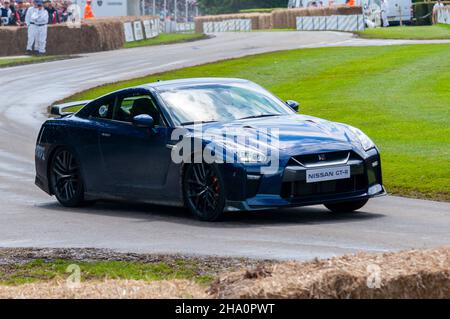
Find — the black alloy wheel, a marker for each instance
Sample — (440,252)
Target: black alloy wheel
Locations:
(204,191)
(66,180)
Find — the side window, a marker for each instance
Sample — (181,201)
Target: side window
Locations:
(131,106)
(102,109)
(123,111)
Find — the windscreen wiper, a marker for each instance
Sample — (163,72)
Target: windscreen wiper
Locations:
(257,116)
(197,122)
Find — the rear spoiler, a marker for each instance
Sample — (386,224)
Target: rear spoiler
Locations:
(67,108)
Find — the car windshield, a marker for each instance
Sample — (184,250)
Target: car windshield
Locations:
(221,103)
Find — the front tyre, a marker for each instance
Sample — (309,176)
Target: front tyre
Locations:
(204,191)
(346,207)
(65,178)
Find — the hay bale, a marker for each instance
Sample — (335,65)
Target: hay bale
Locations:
(345,10)
(94,35)
(107,289)
(265,21)
(287,18)
(198,23)
(278,18)
(408,274)
(254,17)
(11,38)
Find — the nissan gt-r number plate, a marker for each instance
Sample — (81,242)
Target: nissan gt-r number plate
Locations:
(327,174)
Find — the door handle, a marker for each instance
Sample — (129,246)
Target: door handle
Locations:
(106,135)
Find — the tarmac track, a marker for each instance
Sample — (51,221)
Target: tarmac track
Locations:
(29,218)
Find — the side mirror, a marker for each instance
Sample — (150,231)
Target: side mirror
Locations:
(293,105)
(143,121)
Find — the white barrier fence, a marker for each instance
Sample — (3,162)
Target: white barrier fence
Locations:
(443,15)
(186,27)
(151,28)
(138,30)
(173,27)
(231,25)
(332,23)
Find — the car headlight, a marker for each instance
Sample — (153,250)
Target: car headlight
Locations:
(365,141)
(251,156)
(244,154)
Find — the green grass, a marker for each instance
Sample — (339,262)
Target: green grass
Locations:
(40,270)
(259,10)
(166,38)
(398,95)
(7,62)
(436,32)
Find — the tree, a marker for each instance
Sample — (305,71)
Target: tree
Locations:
(230,6)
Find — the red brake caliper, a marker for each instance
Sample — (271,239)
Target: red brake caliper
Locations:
(216,184)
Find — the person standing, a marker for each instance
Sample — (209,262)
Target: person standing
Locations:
(438,4)
(14,19)
(59,12)
(384,16)
(88,14)
(39,18)
(436,7)
(51,10)
(5,12)
(21,11)
(32,40)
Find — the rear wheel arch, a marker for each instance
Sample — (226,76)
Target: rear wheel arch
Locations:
(192,158)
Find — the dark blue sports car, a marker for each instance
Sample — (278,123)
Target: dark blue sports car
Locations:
(212,145)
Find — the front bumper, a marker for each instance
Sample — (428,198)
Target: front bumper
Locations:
(293,191)
(264,202)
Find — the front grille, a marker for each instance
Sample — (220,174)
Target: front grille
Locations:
(322,158)
(294,180)
(356,183)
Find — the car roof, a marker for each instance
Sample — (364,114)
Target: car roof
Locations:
(174,84)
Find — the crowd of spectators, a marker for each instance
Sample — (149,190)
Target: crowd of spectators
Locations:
(13,12)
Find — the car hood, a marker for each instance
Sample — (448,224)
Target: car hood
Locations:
(295,134)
